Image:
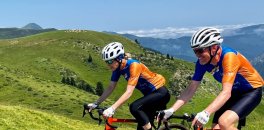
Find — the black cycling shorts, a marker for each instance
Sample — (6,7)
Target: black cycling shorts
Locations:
(144,109)
(241,103)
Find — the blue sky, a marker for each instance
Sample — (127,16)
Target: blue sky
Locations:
(130,15)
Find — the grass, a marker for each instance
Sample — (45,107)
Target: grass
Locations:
(21,118)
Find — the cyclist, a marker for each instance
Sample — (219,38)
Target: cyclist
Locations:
(241,83)
(156,96)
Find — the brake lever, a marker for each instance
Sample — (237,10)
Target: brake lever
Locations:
(160,116)
(85,107)
(100,112)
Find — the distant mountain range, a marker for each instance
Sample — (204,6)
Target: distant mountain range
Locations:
(29,29)
(247,40)
(258,62)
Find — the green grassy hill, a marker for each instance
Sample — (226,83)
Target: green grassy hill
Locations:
(32,69)
(17,117)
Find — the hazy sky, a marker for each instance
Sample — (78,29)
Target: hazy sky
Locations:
(124,15)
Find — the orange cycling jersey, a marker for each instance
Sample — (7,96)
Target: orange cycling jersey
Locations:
(232,68)
(137,74)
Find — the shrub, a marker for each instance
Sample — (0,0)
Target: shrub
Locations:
(90,59)
(99,89)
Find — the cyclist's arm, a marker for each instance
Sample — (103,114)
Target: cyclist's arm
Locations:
(107,92)
(230,65)
(221,99)
(124,97)
(135,71)
(186,95)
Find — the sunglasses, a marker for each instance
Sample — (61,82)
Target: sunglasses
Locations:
(109,61)
(199,50)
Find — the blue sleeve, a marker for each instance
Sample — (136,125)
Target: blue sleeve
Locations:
(115,76)
(199,72)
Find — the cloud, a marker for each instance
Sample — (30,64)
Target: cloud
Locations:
(168,32)
(172,32)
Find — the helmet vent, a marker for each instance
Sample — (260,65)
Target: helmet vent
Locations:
(111,54)
(197,35)
(106,56)
(206,40)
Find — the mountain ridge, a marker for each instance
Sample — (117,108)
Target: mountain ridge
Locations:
(27,30)
(247,40)
(32,26)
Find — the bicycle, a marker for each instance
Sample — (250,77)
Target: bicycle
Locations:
(186,119)
(108,121)
(184,125)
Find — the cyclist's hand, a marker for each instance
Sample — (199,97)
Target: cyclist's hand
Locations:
(91,106)
(109,112)
(201,118)
(167,113)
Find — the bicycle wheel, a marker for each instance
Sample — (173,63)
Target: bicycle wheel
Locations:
(174,127)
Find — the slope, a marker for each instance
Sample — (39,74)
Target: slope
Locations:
(20,118)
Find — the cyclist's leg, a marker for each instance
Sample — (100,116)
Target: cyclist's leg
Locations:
(154,100)
(151,110)
(245,104)
(219,112)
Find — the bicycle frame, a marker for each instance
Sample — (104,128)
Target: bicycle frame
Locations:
(111,120)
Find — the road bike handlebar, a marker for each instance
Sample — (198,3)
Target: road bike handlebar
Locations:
(185,116)
(100,111)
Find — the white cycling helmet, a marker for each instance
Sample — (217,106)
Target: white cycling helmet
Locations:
(112,50)
(206,37)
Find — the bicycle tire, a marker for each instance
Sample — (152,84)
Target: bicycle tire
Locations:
(175,127)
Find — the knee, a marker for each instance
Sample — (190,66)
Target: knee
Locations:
(228,119)
(224,122)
